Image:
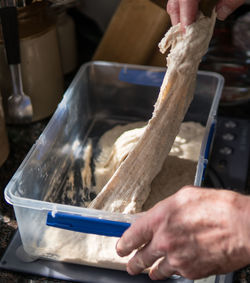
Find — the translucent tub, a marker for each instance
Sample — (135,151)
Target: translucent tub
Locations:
(101,95)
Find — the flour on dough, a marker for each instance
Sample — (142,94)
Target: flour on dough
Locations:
(119,141)
(178,170)
(183,60)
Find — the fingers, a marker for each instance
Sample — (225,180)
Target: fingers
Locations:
(138,234)
(225,7)
(161,270)
(188,12)
(173,10)
(183,11)
(144,258)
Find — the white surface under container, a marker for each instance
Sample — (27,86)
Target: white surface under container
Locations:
(101,95)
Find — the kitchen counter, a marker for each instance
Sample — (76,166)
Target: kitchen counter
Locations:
(21,138)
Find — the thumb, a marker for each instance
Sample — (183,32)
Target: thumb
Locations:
(138,234)
(225,7)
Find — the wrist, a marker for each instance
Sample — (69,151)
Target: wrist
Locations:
(242,204)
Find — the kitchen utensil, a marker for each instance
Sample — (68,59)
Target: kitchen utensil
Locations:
(41,66)
(19,105)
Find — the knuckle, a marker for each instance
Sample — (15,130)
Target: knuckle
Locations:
(180,260)
(136,264)
(187,188)
(146,259)
(185,193)
(162,247)
(174,262)
(177,263)
(182,195)
(166,245)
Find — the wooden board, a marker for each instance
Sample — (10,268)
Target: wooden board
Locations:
(133,33)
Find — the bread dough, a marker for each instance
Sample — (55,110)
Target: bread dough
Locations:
(114,147)
(129,187)
(178,170)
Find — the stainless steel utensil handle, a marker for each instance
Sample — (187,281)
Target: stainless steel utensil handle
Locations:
(15,71)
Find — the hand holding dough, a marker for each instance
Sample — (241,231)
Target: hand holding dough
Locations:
(129,186)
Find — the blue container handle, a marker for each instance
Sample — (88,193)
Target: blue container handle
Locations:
(210,138)
(208,146)
(84,224)
(142,77)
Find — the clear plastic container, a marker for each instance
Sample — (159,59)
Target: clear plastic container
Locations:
(101,95)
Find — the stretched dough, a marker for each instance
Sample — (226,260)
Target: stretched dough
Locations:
(175,95)
(178,170)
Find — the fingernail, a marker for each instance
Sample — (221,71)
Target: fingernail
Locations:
(153,277)
(223,12)
(130,271)
(120,249)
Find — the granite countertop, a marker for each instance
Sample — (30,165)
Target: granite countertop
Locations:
(21,138)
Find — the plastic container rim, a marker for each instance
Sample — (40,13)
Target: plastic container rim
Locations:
(43,205)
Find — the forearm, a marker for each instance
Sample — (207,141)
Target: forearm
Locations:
(242,203)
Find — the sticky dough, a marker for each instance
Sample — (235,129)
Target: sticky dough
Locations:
(178,170)
(164,176)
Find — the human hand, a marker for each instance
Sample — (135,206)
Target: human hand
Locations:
(185,11)
(194,233)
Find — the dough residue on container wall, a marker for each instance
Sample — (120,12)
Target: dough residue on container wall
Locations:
(177,171)
(130,185)
(152,180)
